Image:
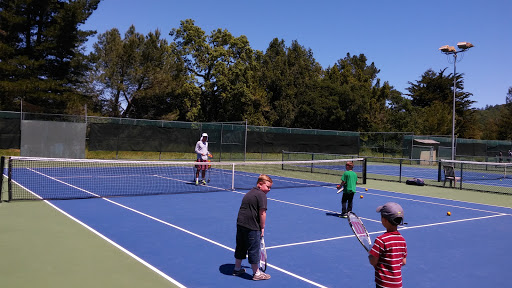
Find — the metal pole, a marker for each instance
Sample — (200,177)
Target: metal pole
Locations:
(454,95)
(2,162)
(245,143)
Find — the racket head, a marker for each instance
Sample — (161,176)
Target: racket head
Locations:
(263,255)
(340,191)
(359,230)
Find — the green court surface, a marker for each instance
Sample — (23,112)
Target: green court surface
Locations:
(41,247)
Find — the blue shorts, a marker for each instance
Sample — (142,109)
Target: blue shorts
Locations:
(248,243)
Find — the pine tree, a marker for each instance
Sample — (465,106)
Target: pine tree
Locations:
(41,59)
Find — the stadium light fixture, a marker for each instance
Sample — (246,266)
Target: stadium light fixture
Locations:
(450,50)
(464,45)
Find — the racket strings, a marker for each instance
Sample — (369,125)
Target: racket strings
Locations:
(360,231)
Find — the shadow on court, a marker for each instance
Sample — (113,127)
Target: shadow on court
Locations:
(227,269)
(333,214)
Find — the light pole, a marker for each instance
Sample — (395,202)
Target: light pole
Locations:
(450,50)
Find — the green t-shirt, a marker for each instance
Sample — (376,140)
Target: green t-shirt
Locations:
(350,178)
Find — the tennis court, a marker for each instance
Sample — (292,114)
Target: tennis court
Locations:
(476,173)
(187,238)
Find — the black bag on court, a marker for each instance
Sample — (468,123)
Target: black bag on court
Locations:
(415,181)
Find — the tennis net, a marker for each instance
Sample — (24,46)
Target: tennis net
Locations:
(479,171)
(32,178)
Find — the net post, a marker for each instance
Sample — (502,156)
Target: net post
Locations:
(439,171)
(117,147)
(2,162)
(245,143)
(9,180)
(233,177)
(461,177)
(400,174)
(364,170)
(312,159)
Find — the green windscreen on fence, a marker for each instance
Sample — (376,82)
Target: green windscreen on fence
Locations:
(10,133)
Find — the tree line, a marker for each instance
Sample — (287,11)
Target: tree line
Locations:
(217,76)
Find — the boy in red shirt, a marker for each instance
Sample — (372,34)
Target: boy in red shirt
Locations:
(389,251)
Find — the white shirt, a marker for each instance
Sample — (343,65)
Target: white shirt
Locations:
(202,150)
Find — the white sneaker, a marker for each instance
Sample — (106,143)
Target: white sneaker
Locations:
(261,276)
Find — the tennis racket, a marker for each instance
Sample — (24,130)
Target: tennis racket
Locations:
(263,255)
(340,188)
(359,230)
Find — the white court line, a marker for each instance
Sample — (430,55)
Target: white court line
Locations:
(273,199)
(107,239)
(272,247)
(315,208)
(377,221)
(301,205)
(380,232)
(365,192)
(163,222)
(454,221)
(396,197)
(434,203)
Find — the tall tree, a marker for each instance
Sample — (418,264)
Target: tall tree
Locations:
(41,59)
(275,80)
(110,71)
(505,123)
(221,66)
(399,111)
(436,90)
(137,76)
(361,98)
(288,75)
(487,121)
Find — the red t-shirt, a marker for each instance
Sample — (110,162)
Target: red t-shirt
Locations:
(391,249)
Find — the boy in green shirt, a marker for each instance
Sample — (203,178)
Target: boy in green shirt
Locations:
(348,182)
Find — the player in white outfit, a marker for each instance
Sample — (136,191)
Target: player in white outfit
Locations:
(202,156)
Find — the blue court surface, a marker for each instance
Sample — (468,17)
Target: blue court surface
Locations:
(189,238)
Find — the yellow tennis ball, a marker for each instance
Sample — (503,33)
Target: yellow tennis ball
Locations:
(449,213)
(366,189)
(361,196)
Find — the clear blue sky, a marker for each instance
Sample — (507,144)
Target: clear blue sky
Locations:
(401,37)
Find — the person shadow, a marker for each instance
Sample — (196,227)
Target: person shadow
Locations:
(227,269)
(333,214)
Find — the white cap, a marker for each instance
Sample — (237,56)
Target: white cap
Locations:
(204,135)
